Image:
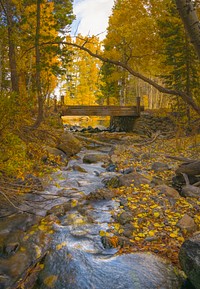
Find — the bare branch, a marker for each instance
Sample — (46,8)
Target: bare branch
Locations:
(187,98)
(160,88)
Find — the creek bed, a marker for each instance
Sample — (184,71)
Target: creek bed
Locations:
(67,243)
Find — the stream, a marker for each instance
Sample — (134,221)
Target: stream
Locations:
(62,248)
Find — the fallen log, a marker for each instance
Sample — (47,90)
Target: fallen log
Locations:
(189,168)
(190,190)
(91,140)
(182,159)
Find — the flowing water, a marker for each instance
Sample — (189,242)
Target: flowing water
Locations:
(76,257)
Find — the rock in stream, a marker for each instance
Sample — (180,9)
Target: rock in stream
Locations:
(68,267)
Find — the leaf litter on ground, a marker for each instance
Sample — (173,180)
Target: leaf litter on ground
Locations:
(155,217)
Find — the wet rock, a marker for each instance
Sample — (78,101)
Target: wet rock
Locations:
(16,222)
(79,169)
(14,267)
(95,158)
(106,242)
(4,281)
(111,168)
(127,171)
(112,181)
(168,191)
(187,223)
(58,211)
(133,178)
(114,242)
(159,167)
(100,195)
(189,257)
(11,248)
(77,269)
(21,256)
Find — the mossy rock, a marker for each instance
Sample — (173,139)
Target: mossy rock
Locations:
(67,143)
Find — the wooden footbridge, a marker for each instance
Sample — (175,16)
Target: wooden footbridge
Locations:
(102,110)
(99,110)
(121,116)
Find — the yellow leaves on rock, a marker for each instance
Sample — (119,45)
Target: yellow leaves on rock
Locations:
(116,226)
(153,206)
(38,251)
(60,246)
(174,235)
(50,281)
(74,203)
(156,214)
(103,233)
(42,227)
(152,233)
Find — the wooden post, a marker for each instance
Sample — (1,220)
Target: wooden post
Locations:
(138,105)
(62,100)
(55,104)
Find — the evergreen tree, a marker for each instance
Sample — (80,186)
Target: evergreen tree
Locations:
(181,65)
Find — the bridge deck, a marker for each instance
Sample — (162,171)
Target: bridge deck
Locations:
(99,110)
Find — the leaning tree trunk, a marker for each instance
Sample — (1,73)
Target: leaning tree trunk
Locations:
(191,22)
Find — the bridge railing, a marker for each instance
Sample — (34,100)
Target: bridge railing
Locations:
(100,110)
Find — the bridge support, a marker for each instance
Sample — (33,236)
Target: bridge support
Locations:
(122,123)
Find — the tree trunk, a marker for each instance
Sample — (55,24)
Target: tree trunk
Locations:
(191,22)
(11,49)
(188,82)
(1,65)
(40,114)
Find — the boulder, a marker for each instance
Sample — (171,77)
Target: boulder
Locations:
(133,178)
(76,269)
(100,195)
(168,191)
(79,169)
(159,167)
(187,223)
(95,158)
(56,152)
(67,143)
(189,257)
(124,218)
(111,181)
